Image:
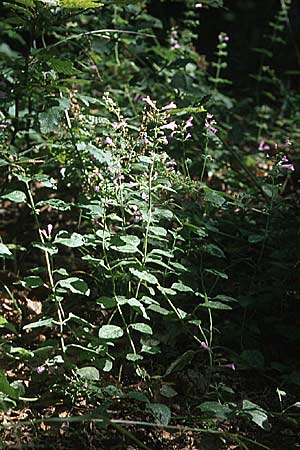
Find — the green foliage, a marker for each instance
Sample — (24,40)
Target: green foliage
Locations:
(158,226)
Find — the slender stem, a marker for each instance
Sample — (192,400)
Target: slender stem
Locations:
(60,311)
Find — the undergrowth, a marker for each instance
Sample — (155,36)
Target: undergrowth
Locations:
(150,226)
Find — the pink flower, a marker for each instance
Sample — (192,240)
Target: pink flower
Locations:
(188,123)
(174,40)
(230,366)
(169,126)
(149,102)
(288,166)
(171,105)
(223,37)
(117,125)
(47,233)
(210,122)
(263,147)
(137,218)
(285,164)
(109,141)
(204,346)
(165,141)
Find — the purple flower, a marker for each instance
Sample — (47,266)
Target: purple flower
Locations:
(117,125)
(210,122)
(288,166)
(40,369)
(149,102)
(137,97)
(118,177)
(109,141)
(47,233)
(137,218)
(171,105)
(230,366)
(174,40)
(285,164)
(169,126)
(188,123)
(204,346)
(263,147)
(223,37)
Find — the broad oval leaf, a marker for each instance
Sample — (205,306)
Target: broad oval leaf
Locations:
(69,240)
(144,276)
(110,332)
(142,328)
(15,196)
(88,373)
(4,251)
(75,285)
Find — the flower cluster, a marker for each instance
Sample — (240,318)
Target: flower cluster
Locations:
(210,123)
(174,40)
(284,162)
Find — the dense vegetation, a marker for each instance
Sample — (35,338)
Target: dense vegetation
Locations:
(149,203)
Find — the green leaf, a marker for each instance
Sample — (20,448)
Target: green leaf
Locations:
(214,250)
(144,276)
(106,302)
(134,357)
(188,110)
(32,282)
(6,388)
(180,363)
(142,328)
(254,238)
(5,324)
(125,244)
(216,410)
(49,120)
(215,305)
(160,412)
(252,358)
(158,231)
(94,209)
(217,273)
(4,251)
(63,66)
(225,298)
(214,197)
(257,414)
(69,240)
(75,285)
(89,373)
(15,196)
(46,247)
(181,287)
(167,391)
(110,332)
(55,203)
(158,309)
(80,4)
(40,323)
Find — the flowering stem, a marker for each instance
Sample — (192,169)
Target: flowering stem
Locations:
(60,311)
